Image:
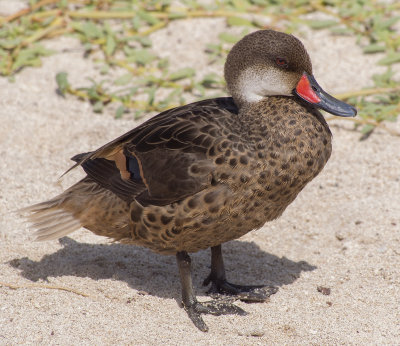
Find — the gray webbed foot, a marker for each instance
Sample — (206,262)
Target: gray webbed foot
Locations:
(213,307)
(248,294)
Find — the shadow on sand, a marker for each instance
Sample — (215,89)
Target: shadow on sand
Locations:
(155,274)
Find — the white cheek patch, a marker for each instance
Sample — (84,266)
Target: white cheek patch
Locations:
(255,84)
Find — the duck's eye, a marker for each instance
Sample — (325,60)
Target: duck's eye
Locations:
(281,62)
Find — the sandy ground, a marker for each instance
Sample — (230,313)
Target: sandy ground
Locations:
(341,233)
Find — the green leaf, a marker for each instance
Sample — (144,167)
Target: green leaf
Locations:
(11,43)
(91,30)
(200,88)
(386,24)
(342,31)
(146,81)
(26,57)
(210,79)
(138,113)
(144,41)
(163,64)
(374,48)
(92,92)
(136,23)
(38,49)
(34,62)
(4,59)
(321,24)
(111,44)
(62,82)
(214,48)
(229,38)
(367,129)
(391,58)
(171,96)
(124,79)
(132,91)
(98,107)
(120,111)
(152,94)
(240,5)
(239,21)
(77,26)
(104,69)
(186,72)
(147,17)
(261,2)
(384,79)
(88,47)
(143,56)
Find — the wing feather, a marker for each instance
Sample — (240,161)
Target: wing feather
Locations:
(166,147)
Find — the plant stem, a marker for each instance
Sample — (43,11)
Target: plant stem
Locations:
(29,10)
(15,286)
(366,92)
(55,25)
(367,122)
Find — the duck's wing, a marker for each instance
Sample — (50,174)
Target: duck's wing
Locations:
(166,158)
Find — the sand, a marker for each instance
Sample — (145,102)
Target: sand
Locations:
(341,233)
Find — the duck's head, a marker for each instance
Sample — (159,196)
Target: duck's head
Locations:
(269,63)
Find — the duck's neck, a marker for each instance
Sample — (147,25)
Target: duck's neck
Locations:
(254,114)
(256,82)
(278,114)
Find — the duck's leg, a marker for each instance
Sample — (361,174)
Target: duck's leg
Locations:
(194,308)
(220,285)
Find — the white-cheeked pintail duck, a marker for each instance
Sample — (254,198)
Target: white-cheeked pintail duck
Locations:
(199,175)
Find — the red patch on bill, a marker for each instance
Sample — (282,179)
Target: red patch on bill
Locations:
(304,89)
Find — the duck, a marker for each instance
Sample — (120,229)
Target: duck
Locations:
(202,174)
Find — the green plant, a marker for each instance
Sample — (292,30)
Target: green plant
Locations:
(120,29)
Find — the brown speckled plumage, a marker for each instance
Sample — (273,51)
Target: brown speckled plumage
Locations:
(210,171)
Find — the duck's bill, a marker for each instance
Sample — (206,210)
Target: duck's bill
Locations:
(309,90)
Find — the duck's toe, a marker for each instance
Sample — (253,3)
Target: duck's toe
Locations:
(213,307)
(249,294)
